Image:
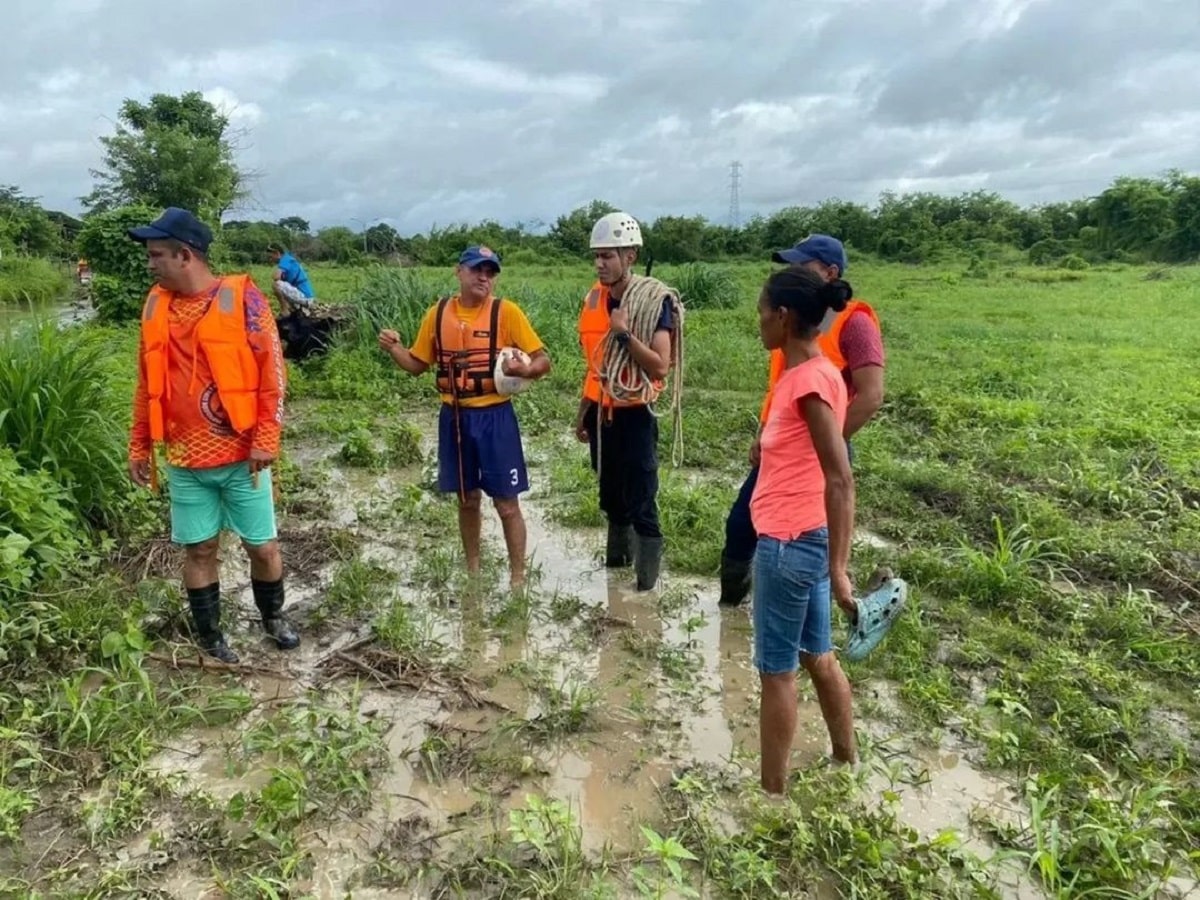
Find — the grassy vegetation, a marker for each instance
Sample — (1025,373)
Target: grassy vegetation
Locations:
(32,280)
(1034,463)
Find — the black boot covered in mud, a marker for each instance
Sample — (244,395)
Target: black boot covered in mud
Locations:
(735,581)
(205,603)
(647,560)
(618,552)
(268,597)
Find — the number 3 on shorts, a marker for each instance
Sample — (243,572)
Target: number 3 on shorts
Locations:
(515,478)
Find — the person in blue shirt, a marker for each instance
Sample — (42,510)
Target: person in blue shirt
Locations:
(291,282)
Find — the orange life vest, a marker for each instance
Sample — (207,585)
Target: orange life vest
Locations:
(829,343)
(593,328)
(221,335)
(465,351)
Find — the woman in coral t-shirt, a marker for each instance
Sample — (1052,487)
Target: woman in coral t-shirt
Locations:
(803,511)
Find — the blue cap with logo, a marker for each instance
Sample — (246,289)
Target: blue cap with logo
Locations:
(477,255)
(820,247)
(178,224)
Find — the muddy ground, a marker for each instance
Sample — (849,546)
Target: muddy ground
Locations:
(421,711)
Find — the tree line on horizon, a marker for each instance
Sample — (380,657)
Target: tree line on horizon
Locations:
(181,151)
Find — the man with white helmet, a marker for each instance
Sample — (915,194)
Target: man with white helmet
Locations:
(627,331)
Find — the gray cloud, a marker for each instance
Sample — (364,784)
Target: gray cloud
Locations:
(520,110)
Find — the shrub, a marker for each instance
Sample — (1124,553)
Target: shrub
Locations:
(1074,263)
(30,279)
(61,416)
(37,527)
(114,300)
(702,286)
(392,298)
(1047,252)
(403,444)
(118,263)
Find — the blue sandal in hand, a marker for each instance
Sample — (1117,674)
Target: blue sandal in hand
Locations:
(877,612)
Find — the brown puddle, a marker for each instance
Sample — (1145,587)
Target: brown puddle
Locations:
(670,679)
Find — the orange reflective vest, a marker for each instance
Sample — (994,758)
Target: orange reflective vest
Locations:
(465,352)
(221,335)
(830,344)
(593,329)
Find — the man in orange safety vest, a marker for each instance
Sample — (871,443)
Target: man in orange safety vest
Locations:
(210,387)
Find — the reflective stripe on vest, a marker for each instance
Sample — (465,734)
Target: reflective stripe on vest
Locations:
(465,353)
(221,336)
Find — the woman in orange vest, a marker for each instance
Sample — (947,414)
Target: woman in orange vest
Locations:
(623,434)
(479,439)
(854,344)
(210,387)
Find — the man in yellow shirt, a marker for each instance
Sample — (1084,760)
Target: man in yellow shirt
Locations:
(479,440)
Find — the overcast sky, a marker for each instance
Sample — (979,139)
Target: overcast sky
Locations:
(365,110)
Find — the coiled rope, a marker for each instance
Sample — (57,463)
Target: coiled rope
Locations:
(623,379)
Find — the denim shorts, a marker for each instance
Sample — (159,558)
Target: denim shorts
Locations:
(792,604)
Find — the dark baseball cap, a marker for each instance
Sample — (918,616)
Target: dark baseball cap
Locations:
(477,255)
(178,224)
(821,247)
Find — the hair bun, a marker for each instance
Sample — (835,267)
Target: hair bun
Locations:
(836,294)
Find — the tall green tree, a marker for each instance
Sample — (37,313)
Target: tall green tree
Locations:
(571,232)
(1134,216)
(294,225)
(25,226)
(172,151)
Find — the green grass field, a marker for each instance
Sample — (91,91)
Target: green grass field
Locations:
(1036,464)
(1035,467)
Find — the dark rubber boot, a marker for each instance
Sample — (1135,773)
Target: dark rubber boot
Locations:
(268,597)
(205,604)
(647,560)
(618,552)
(735,581)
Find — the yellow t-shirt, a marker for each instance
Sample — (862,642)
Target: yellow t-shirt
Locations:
(514,331)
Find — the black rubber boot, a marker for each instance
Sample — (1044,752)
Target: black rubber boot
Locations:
(647,560)
(735,581)
(205,604)
(618,552)
(268,597)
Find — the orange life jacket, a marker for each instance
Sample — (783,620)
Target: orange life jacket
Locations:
(466,352)
(593,328)
(221,335)
(829,343)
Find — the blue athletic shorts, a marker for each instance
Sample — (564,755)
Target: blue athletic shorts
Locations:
(204,501)
(489,441)
(792,601)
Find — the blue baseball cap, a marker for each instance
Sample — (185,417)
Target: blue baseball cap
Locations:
(821,247)
(178,224)
(477,255)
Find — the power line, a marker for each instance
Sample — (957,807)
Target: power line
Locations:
(735,178)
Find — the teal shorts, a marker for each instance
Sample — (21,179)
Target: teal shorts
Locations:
(204,501)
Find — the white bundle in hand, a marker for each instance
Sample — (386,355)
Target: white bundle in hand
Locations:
(510,384)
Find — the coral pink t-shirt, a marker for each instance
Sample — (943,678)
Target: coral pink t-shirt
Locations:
(789,497)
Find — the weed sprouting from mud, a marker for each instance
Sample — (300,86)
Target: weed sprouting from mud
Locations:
(333,744)
(540,854)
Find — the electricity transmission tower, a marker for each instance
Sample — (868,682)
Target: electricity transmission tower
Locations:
(735,178)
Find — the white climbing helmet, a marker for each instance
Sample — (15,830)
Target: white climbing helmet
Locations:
(617,229)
